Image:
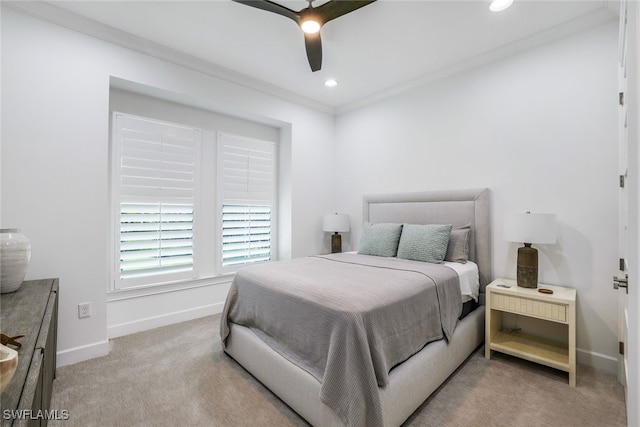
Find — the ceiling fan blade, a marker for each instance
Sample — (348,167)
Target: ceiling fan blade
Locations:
(314,50)
(270,6)
(337,8)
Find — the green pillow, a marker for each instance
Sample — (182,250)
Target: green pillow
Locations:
(380,239)
(426,243)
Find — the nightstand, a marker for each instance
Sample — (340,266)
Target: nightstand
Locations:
(559,307)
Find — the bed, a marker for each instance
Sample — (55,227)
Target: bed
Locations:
(334,367)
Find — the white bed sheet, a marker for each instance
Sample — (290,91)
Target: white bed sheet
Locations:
(469,279)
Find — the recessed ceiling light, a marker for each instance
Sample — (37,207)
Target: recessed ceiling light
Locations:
(331,83)
(499,5)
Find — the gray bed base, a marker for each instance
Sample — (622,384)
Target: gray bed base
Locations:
(413,381)
(410,383)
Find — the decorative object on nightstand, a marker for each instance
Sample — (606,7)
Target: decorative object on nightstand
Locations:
(15,254)
(336,223)
(529,228)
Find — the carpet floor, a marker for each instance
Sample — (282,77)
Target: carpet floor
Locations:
(179,375)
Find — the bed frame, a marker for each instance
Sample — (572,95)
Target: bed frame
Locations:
(408,385)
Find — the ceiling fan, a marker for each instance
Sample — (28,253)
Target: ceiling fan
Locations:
(310,20)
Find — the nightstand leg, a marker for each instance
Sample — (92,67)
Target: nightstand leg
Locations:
(493,324)
(572,378)
(572,345)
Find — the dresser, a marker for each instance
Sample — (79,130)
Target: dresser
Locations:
(33,311)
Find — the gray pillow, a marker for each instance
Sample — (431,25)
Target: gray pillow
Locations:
(426,243)
(380,239)
(458,249)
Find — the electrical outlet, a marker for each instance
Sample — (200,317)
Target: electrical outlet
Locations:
(84,310)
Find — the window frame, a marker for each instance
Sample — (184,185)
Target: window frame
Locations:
(224,199)
(118,199)
(207,228)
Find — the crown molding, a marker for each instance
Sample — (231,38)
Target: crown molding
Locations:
(64,18)
(50,13)
(582,23)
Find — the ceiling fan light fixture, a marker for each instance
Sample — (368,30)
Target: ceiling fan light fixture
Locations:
(499,5)
(310,20)
(310,26)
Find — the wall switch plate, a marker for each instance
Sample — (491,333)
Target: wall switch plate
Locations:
(84,310)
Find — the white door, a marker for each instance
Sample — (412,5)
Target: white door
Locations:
(623,223)
(629,229)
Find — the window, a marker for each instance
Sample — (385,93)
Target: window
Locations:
(155,239)
(246,188)
(246,234)
(155,183)
(188,203)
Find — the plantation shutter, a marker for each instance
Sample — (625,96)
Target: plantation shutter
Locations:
(247,185)
(156,174)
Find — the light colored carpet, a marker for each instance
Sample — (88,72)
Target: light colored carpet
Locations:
(178,375)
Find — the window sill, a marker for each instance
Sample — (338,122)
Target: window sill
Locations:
(143,291)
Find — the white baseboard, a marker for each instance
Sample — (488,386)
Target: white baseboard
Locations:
(598,361)
(101,348)
(79,354)
(145,324)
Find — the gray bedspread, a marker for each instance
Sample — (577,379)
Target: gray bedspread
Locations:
(347,319)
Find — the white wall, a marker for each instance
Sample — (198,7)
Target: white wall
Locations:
(539,130)
(55,174)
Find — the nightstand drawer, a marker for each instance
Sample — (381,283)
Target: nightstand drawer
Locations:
(530,307)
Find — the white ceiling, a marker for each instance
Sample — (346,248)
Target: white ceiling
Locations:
(383,47)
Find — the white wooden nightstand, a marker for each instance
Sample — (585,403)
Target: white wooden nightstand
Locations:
(559,307)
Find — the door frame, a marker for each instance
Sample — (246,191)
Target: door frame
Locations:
(632,97)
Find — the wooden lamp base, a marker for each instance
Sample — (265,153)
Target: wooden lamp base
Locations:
(336,243)
(527,272)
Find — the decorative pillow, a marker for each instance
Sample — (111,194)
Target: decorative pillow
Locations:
(380,239)
(458,249)
(426,243)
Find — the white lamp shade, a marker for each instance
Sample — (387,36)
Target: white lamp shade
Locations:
(530,228)
(336,223)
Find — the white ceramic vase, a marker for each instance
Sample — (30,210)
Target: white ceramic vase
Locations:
(15,254)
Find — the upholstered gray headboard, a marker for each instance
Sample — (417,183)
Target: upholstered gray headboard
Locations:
(455,207)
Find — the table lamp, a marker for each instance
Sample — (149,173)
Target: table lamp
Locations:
(336,223)
(529,228)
